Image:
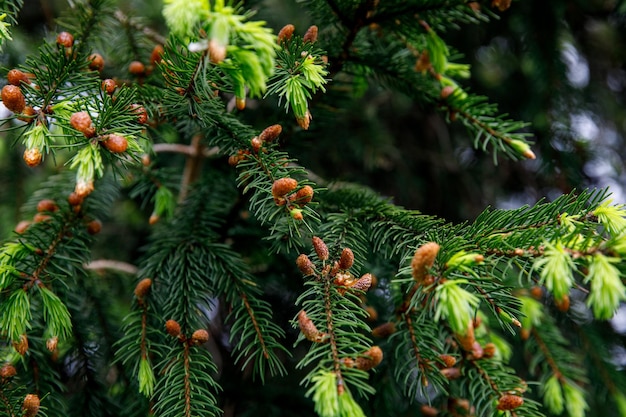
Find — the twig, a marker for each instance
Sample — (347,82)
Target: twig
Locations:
(119,266)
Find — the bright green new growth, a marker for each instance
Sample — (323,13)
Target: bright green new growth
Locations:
(455,305)
(607,289)
(556,269)
(553,395)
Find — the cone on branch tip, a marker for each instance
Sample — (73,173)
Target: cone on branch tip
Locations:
(384,330)
(13,98)
(172,328)
(423,260)
(320,248)
(270,133)
(17,77)
(285,33)
(303,196)
(305,265)
(346,260)
(21,346)
(7,371)
(283,186)
(309,330)
(142,288)
(31,405)
(509,402)
(199,337)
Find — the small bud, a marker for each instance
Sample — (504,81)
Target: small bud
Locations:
(283,186)
(51,343)
(240,103)
(384,330)
(562,304)
(371,359)
(363,283)
(217,53)
(501,5)
(157,54)
(448,360)
(74,199)
(346,260)
(446,91)
(31,405)
(451,373)
(108,86)
(81,121)
(47,205)
(17,77)
(115,143)
(28,114)
(304,121)
(305,265)
(309,330)
(96,62)
(21,346)
(83,188)
(65,39)
(489,350)
(256,144)
(536,292)
(522,148)
(303,196)
(372,313)
(40,217)
(7,371)
(296,214)
(12,98)
(285,33)
(311,34)
(142,288)
(428,411)
(140,111)
(320,248)
(94,227)
(199,337)
(22,226)
(137,68)
(509,402)
(172,328)
(423,260)
(270,133)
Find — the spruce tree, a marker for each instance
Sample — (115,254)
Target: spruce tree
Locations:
(178,258)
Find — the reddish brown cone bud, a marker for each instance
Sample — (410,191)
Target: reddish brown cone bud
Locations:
(270,133)
(22,226)
(51,343)
(31,405)
(75,199)
(304,121)
(140,111)
(7,371)
(12,98)
(509,402)
(283,186)
(448,360)
(65,39)
(536,292)
(501,5)
(489,350)
(47,205)
(309,330)
(305,265)
(446,91)
(137,68)
(320,248)
(142,288)
(423,260)
(311,34)
(172,328)
(108,86)
(562,304)
(81,121)
(17,77)
(384,330)
(346,260)
(285,33)
(304,195)
(256,144)
(199,337)
(94,227)
(451,373)
(96,62)
(363,284)
(428,411)
(115,143)
(157,54)
(371,359)
(21,346)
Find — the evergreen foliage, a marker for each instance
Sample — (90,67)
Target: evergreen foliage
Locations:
(233,279)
